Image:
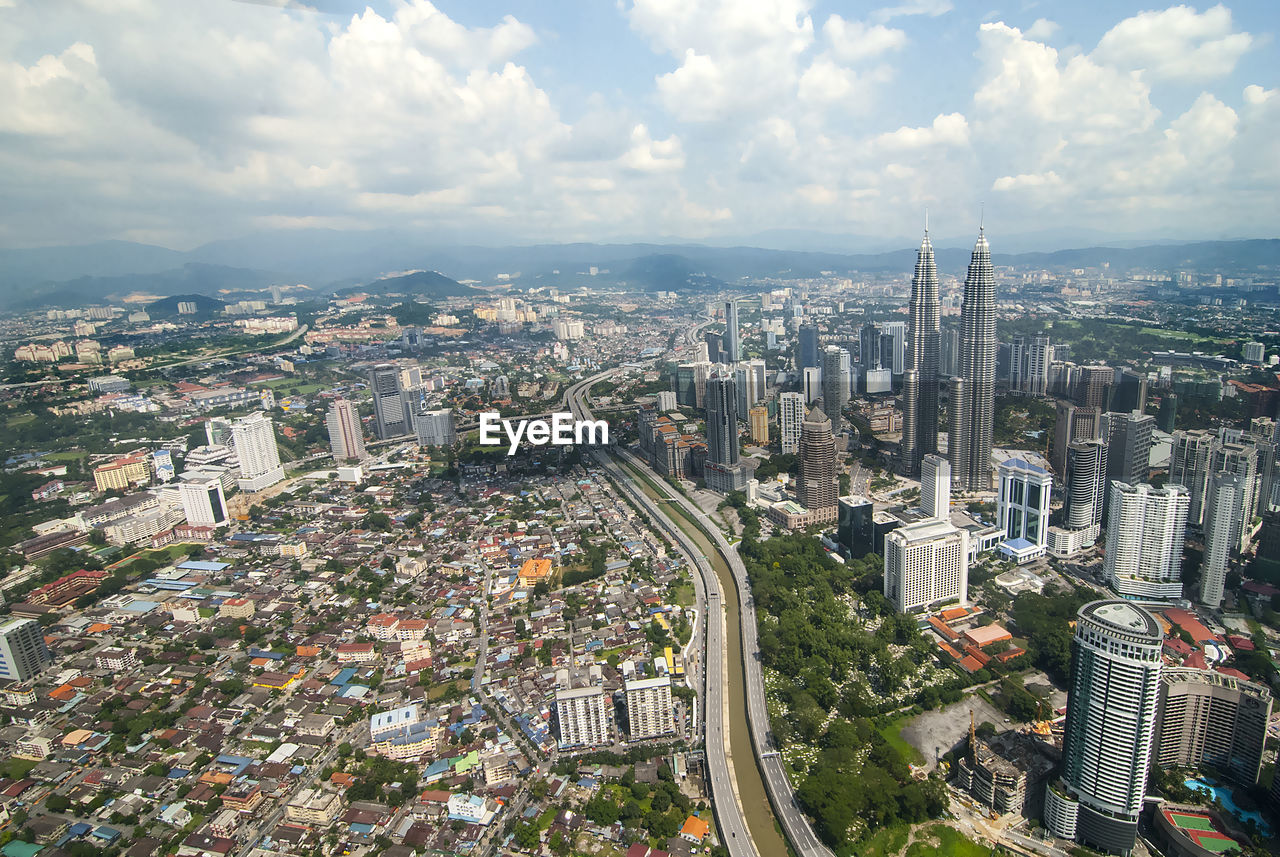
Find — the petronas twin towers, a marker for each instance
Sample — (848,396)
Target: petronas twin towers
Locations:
(972,399)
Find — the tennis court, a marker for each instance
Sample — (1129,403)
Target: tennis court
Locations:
(1190,821)
(1212,840)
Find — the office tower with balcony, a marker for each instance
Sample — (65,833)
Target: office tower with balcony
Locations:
(1145,530)
(23,653)
(1128,438)
(391,416)
(732,342)
(435,428)
(923,358)
(1086,484)
(1072,424)
(1022,502)
(836,378)
(254,438)
(926,564)
(346,434)
(1093,387)
(203,501)
(1223,518)
(935,487)
(810,355)
(816,488)
(791,413)
(973,400)
(1110,727)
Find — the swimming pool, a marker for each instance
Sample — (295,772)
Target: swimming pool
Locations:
(1223,795)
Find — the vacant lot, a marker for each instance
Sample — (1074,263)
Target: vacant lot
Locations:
(947,727)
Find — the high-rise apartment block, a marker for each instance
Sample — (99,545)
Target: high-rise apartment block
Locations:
(649,710)
(791,413)
(1145,529)
(254,438)
(583,716)
(1209,718)
(346,433)
(1223,518)
(435,428)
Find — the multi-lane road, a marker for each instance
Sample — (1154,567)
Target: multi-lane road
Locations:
(729,813)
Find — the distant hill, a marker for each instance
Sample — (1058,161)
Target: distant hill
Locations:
(669,272)
(168,307)
(191,278)
(425,284)
(350,261)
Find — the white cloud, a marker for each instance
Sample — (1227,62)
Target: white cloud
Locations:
(737,57)
(1042,29)
(931,8)
(951,129)
(1028,180)
(649,155)
(1176,43)
(853,41)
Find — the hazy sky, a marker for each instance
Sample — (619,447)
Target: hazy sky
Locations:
(177,122)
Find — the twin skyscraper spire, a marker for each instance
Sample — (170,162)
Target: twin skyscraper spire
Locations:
(972,391)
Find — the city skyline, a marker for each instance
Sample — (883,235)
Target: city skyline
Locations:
(783,123)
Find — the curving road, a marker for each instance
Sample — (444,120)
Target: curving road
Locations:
(728,810)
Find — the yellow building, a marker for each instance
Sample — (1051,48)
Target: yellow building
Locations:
(759,424)
(534,571)
(121,473)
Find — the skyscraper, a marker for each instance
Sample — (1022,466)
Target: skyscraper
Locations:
(390,415)
(254,438)
(435,428)
(816,488)
(1110,727)
(791,413)
(23,653)
(924,353)
(1145,530)
(836,377)
(1072,424)
(582,716)
(1022,501)
(732,344)
(1039,356)
(203,501)
(970,450)
(1093,389)
(758,420)
(893,342)
(722,471)
(649,710)
(809,354)
(935,487)
(749,375)
(346,434)
(1086,483)
(1206,717)
(714,352)
(1128,438)
(1223,517)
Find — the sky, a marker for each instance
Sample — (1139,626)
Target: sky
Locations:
(522,121)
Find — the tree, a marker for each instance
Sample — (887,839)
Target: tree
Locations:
(527,836)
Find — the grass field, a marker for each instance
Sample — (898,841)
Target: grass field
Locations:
(893,734)
(887,842)
(684,594)
(942,841)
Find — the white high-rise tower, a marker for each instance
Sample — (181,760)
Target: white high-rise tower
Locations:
(254,438)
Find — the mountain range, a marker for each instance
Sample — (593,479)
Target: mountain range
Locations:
(387,261)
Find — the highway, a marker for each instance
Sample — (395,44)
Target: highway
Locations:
(781,795)
(728,811)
